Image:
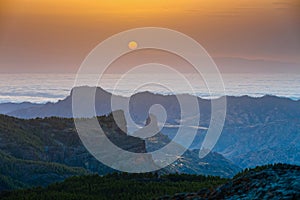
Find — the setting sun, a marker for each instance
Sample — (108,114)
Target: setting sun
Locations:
(149,99)
(132,45)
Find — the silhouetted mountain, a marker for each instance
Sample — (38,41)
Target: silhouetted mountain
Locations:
(11,107)
(63,108)
(253,128)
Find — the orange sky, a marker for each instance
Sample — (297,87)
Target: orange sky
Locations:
(56,35)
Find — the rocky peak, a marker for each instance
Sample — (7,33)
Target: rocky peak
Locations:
(150,130)
(152,122)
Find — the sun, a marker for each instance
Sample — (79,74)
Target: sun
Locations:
(132,45)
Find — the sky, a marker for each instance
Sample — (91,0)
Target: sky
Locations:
(54,36)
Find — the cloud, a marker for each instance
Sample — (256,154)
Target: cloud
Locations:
(287,5)
(246,65)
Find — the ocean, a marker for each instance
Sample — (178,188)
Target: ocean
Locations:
(42,88)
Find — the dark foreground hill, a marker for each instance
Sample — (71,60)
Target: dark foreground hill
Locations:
(278,181)
(116,186)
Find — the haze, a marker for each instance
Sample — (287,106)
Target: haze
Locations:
(52,36)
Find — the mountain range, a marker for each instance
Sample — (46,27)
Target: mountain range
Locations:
(11,107)
(37,152)
(257,131)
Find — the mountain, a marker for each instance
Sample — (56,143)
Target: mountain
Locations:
(190,163)
(279,181)
(11,107)
(254,127)
(20,173)
(261,131)
(41,151)
(139,105)
(56,140)
(63,108)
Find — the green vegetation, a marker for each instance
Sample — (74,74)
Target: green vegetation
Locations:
(143,186)
(17,173)
(118,186)
(263,167)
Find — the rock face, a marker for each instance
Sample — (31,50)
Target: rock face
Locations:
(116,132)
(278,181)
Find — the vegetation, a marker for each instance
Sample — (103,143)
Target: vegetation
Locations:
(263,167)
(17,173)
(118,186)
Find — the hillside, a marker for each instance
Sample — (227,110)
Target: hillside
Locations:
(213,164)
(278,181)
(116,186)
(39,151)
(19,173)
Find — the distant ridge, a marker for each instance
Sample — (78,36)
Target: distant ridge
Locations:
(11,107)
(63,108)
